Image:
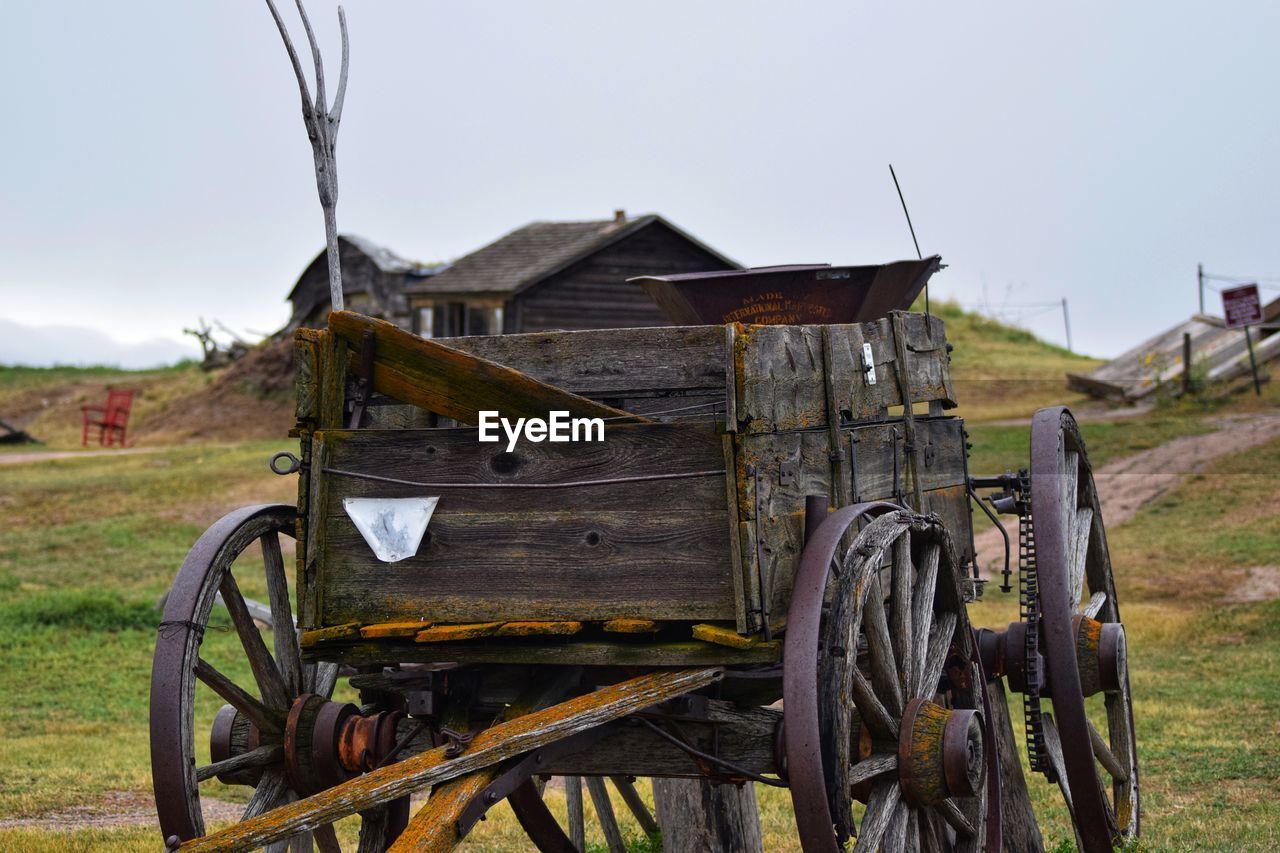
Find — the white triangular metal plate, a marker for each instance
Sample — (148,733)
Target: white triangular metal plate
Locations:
(393,527)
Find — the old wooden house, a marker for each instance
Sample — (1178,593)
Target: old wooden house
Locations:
(558,275)
(374,281)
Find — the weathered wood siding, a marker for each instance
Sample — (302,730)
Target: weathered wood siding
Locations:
(594,293)
(383,293)
(786,411)
(657,549)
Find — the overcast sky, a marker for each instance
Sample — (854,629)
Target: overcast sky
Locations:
(155,167)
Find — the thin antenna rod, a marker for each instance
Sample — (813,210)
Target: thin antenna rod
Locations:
(906,213)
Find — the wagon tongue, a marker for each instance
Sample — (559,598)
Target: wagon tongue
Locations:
(790,295)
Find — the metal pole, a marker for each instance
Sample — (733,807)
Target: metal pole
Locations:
(1066,321)
(1253,364)
(1200,278)
(912,228)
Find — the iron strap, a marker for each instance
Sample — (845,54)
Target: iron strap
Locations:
(642,478)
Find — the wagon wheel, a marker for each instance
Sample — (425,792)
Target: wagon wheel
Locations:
(1083,639)
(247,738)
(883,691)
(546,832)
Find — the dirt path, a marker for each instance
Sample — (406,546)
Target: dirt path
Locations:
(45,455)
(1125,485)
(117,808)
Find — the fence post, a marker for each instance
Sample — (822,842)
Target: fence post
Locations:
(1186,362)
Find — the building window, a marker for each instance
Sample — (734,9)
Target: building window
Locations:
(425,324)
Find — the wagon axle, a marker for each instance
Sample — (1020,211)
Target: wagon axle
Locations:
(1101,656)
(324,744)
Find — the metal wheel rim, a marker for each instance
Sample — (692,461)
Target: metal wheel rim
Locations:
(1075,570)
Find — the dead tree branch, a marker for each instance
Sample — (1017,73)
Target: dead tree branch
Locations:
(322,130)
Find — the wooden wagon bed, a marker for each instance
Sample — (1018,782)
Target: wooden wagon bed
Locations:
(689,513)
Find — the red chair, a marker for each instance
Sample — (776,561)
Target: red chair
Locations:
(111,420)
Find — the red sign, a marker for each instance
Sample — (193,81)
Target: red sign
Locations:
(1241,306)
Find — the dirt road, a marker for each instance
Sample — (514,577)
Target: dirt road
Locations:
(44,455)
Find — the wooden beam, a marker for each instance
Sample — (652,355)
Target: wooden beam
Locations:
(456,384)
(489,748)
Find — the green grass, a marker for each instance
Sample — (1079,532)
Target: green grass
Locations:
(1000,371)
(88,544)
(1006,447)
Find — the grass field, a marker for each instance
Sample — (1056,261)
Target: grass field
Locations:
(87,545)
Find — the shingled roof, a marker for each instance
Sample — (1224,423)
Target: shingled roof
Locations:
(530,254)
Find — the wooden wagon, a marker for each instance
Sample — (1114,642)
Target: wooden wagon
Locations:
(775,512)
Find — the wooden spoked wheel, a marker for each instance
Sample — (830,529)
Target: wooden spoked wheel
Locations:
(1083,640)
(549,836)
(257,714)
(883,692)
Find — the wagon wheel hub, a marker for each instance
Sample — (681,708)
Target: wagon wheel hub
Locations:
(325,743)
(1101,656)
(941,753)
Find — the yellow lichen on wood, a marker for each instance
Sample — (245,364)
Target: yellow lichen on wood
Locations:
(383,630)
(539,629)
(723,636)
(348,631)
(630,626)
(447,633)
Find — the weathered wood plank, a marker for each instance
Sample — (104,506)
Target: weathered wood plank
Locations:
(780,378)
(344,631)
(455,633)
(539,566)
(456,456)
(625,625)
(453,383)
(586,653)
(393,630)
(782,372)
(489,747)
(701,817)
(723,636)
(611,362)
(1020,833)
(563,628)
(635,804)
(742,602)
(434,827)
(744,733)
(574,813)
(604,815)
(306,374)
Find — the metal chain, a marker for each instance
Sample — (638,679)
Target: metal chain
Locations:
(1029,612)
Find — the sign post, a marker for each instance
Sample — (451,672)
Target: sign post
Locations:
(1242,308)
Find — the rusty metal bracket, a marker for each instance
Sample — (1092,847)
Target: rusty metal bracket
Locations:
(364,383)
(787,472)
